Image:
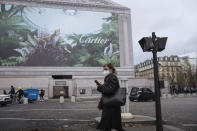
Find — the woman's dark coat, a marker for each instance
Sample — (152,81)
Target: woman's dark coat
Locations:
(111,116)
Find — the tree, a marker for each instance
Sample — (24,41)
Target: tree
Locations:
(181,79)
(12,31)
(186,77)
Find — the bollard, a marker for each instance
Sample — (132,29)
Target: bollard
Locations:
(25,100)
(169,96)
(125,109)
(73,99)
(61,97)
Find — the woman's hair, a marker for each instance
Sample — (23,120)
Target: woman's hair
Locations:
(110,66)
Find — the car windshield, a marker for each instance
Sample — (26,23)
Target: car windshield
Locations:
(135,89)
(146,90)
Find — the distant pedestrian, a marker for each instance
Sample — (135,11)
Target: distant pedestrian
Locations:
(190,89)
(4,92)
(111,115)
(185,90)
(20,93)
(42,95)
(12,92)
(173,89)
(179,89)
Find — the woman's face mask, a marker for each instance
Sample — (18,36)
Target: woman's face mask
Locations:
(106,72)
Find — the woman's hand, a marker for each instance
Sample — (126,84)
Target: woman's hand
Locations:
(100,84)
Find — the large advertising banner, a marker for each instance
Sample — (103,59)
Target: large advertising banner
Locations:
(35,36)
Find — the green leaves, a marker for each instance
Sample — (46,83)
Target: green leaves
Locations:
(75,39)
(85,52)
(19,45)
(12,31)
(11,61)
(115,60)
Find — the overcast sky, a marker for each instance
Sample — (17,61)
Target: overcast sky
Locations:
(175,19)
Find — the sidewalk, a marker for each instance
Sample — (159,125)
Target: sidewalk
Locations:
(153,128)
(167,96)
(90,127)
(142,123)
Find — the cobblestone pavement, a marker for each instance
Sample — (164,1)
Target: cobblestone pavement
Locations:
(180,112)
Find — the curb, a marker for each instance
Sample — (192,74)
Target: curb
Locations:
(173,128)
(147,120)
(168,96)
(138,119)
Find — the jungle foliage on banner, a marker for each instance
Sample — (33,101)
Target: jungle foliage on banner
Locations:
(26,42)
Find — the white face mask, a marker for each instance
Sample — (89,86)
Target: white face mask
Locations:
(106,72)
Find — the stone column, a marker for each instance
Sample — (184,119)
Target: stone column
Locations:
(125,40)
(125,109)
(50,88)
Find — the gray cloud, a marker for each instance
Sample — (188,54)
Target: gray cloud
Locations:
(175,19)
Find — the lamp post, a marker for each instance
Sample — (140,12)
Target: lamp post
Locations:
(155,44)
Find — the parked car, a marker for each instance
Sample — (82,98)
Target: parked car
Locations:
(4,99)
(193,90)
(141,94)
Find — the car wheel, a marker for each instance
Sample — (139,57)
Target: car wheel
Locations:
(131,99)
(3,104)
(139,99)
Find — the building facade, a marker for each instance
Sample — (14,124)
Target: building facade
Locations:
(73,80)
(168,68)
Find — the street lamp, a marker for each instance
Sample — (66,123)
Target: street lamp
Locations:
(154,45)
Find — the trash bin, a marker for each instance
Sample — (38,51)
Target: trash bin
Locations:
(31,94)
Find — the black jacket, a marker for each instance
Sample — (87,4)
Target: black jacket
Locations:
(111,116)
(110,86)
(20,93)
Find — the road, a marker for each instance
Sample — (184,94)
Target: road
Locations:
(181,112)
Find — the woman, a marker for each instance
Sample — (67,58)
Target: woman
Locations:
(111,115)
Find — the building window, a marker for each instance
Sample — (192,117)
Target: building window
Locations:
(82,91)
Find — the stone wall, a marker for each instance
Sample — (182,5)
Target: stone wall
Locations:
(25,83)
(76,85)
(90,87)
